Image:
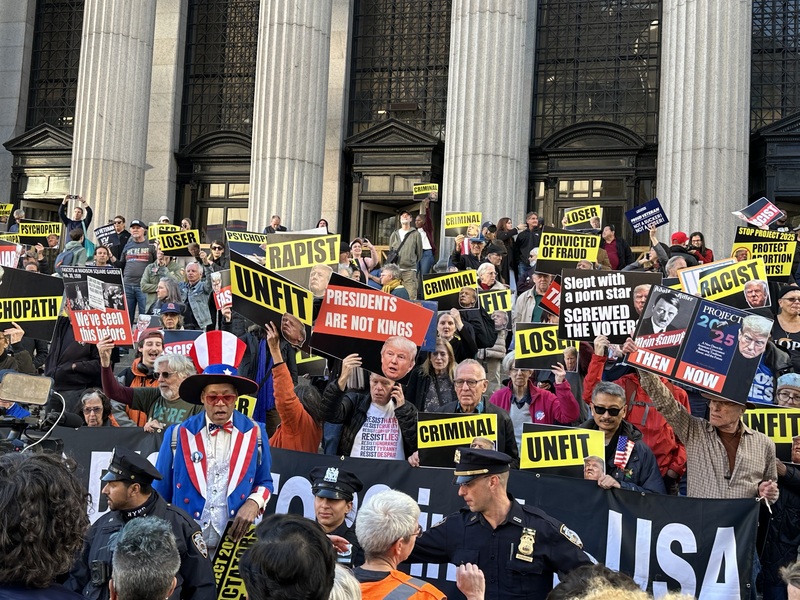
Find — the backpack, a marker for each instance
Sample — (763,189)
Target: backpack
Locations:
(64,259)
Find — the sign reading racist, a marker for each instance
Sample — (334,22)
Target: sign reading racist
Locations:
(31,300)
(778,423)
(710,346)
(459,223)
(262,296)
(760,213)
(563,250)
(156,229)
(36,232)
(176,243)
(294,255)
(423,191)
(440,434)
(445,288)
(492,300)
(551,301)
(180,341)
(583,218)
(649,213)
(600,303)
(9,254)
(97,305)
(690,276)
(537,346)
(221,288)
(775,248)
(559,449)
(248,244)
(106,235)
(741,285)
(384,330)
(5,210)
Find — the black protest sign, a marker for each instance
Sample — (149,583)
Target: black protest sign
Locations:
(97,305)
(760,213)
(156,229)
(778,423)
(31,300)
(560,250)
(36,232)
(649,213)
(176,243)
(600,303)
(228,581)
(423,191)
(775,248)
(439,435)
(261,296)
(551,301)
(710,346)
(294,255)
(445,289)
(308,364)
(537,346)
(741,285)
(180,341)
(492,300)
(559,449)
(9,254)
(106,235)
(384,330)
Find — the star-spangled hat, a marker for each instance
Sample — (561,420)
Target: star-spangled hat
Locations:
(216,356)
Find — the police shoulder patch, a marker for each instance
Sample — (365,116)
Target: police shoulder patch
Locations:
(442,522)
(571,536)
(200,543)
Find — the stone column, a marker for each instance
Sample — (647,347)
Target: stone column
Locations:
(113,101)
(704,117)
(290,112)
(483,154)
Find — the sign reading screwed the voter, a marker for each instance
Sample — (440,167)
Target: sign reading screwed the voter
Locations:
(439,435)
(97,305)
(296,255)
(384,330)
(263,296)
(31,300)
(775,248)
(563,250)
(537,346)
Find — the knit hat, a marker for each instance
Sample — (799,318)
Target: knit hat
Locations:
(789,380)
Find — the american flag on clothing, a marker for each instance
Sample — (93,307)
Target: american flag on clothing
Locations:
(624,450)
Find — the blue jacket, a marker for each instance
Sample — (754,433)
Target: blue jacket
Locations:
(184,483)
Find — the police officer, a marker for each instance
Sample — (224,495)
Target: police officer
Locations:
(333,490)
(130,495)
(517,547)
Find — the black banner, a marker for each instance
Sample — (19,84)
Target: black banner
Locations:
(31,300)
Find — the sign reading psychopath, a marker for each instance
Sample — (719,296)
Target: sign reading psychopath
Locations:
(537,346)
(741,285)
(383,329)
(649,213)
(778,423)
(556,447)
(775,248)
(176,243)
(760,213)
(12,238)
(423,191)
(583,218)
(32,300)
(600,303)
(36,232)
(459,223)
(563,250)
(440,434)
(294,255)
(263,296)
(445,288)
(97,305)
(711,346)
(248,244)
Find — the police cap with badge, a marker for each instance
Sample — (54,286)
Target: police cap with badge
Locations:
(334,483)
(472,463)
(127,465)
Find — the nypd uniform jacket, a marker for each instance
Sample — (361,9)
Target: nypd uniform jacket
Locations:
(518,559)
(195,576)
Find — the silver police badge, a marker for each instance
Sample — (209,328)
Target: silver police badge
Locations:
(332,475)
(200,543)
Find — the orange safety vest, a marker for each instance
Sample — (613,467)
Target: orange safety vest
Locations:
(399,586)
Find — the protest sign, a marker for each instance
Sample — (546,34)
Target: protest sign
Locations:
(458,223)
(97,305)
(31,300)
(778,423)
(423,191)
(229,582)
(537,346)
(439,435)
(775,248)
(741,285)
(261,296)
(221,288)
(429,342)
(551,301)
(713,347)
(492,300)
(180,341)
(445,288)
(294,255)
(106,235)
(559,449)
(12,238)
(9,254)
(649,213)
(311,365)
(583,218)
(156,229)
(760,213)
(247,243)
(600,303)
(143,323)
(176,243)
(5,210)
(690,276)
(562,250)
(36,232)
(357,319)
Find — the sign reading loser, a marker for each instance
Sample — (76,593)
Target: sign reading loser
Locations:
(583,218)
(176,243)
(537,346)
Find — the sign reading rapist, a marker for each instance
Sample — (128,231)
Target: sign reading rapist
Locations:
(381,328)
(649,213)
(741,285)
(537,346)
(97,305)
(562,250)
(458,223)
(176,243)
(558,448)
(775,248)
(778,423)
(444,288)
(261,296)
(31,300)
(600,303)
(702,548)
(294,254)
(710,346)
(36,232)
(583,218)
(440,434)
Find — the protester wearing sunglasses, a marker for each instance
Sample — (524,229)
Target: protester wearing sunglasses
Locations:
(215,258)
(630,464)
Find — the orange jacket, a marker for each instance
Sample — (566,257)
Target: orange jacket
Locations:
(298,429)
(379,590)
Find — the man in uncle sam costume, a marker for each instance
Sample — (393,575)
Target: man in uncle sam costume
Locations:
(216,465)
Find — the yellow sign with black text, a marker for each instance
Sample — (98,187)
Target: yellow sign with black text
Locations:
(564,249)
(730,280)
(447,284)
(495,300)
(27,229)
(278,295)
(302,253)
(583,217)
(778,424)
(246,237)
(560,447)
(177,242)
(42,308)
(226,564)
(156,229)
(537,346)
(456,430)
(5,210)
(457,223)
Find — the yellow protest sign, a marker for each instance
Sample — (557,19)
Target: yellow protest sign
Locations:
(778,424)
(560,447)
(436,286)
(226,564)
(727,284)
(537,346)
(5,210)
(39,230)
(775,248)
(246,237)
(246,405)
(421,190)
(583,217)
(156,229)
(457,223)
(456,430)
(176,243)
(29,309)
(302,253)
(493,300)
(275,294)
(563,250)
(10,237)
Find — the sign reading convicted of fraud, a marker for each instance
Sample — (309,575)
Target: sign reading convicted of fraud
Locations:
(440,434)
(563,250)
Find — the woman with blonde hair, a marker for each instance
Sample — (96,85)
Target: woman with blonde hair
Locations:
(431,384)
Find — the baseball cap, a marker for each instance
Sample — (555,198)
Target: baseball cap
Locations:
(137,223)
(679,237)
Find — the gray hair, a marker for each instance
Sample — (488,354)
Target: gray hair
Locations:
(757,324)
(19,213)
(385,518)
(483,267)
(146,559)
(471,361)
(179,364)
(392,269)
(571,350)
(608,388)
(791,574)
(673,261)
(216,276)
(403,344)
(173,290)
(345,586)
(757,282)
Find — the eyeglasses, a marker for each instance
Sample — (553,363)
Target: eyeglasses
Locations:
(221,398)
(793,299)
(118,222)
(96,409)
(470,383)
(418,532)
(217,248)
(789,398)
(164,374)
(611,410)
